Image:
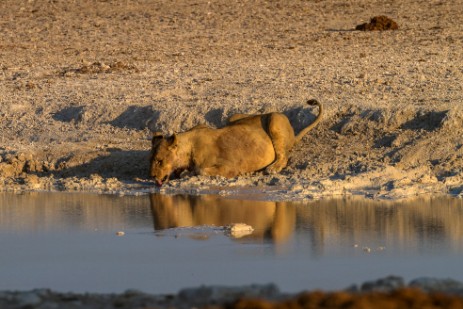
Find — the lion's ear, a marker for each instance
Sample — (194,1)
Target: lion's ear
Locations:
(173,141)
(156,139)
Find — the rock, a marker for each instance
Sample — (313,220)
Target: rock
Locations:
(238,230)
(32,181)
(387,284)
(390,289)
(7,170)
(220,294)
(236,227)
(441,285)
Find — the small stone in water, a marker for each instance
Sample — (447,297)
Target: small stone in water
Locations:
(239,229)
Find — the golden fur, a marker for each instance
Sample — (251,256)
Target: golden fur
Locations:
(274,220)
(249,143)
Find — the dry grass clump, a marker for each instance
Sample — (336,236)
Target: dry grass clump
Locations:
(402,298)
(98,67)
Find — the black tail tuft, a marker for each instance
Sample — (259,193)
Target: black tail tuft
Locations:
(312,102)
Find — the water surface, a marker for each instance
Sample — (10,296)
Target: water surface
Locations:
(69,242)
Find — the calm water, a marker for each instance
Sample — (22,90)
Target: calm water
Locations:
(68,242)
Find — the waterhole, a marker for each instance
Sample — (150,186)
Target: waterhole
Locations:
(163,243)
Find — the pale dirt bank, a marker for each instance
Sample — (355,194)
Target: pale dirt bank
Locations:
(83,83)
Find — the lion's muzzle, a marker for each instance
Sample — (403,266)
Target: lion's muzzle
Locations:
(160,182)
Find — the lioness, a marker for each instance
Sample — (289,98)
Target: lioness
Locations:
(247,144)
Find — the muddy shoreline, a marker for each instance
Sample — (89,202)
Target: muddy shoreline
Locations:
(381,293)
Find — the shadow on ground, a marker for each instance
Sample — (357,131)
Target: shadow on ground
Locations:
(118,163)
(136,117)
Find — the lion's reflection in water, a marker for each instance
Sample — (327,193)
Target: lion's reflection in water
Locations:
(270,220)
(424,222)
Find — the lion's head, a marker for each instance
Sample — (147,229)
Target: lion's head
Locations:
(163,157)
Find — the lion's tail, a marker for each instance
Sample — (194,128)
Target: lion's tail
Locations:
(301,134)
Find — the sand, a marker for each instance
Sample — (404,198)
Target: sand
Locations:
(84,84)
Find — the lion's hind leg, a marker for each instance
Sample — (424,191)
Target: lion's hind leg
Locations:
(218,170)
(282,136)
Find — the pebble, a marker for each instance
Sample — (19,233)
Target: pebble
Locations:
(367,249)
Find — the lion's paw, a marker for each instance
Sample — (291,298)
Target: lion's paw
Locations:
(273,169)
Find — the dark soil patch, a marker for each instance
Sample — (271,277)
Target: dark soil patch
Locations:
(378,23)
